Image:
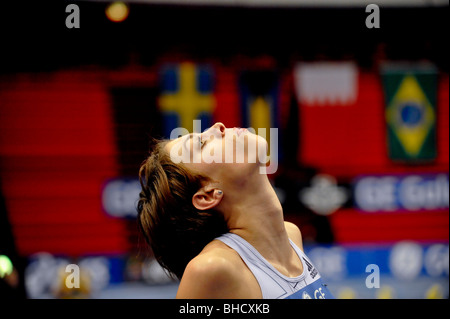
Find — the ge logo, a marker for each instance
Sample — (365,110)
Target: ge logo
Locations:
(318,294)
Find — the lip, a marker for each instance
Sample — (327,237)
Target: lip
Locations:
(239,130)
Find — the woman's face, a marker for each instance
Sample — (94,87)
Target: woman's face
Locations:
(220,153)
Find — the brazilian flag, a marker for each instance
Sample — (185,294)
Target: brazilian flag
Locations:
(410,110)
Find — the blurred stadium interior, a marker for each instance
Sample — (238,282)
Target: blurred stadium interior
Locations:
(362,114)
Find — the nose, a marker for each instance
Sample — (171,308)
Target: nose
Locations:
(220,127)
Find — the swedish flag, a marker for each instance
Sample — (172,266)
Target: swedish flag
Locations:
(410,98)
(187,95)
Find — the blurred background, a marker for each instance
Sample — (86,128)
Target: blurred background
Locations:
(362,115)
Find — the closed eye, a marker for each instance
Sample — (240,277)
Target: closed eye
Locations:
(200,141)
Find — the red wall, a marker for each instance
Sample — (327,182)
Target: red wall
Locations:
(56,149)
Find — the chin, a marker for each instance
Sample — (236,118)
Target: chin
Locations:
(256,154)
(261,143)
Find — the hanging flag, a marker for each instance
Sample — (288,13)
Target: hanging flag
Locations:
(410,100)
(187,95)
(259,102)
(331,130)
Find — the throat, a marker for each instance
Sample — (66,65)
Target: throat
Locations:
(257,217)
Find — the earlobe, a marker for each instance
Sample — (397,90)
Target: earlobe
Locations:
(207,199)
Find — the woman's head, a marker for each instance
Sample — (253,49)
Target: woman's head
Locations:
(175,229)
(181,206)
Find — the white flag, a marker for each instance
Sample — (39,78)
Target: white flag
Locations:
(326,83)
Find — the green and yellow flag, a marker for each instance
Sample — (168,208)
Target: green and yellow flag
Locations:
(410,98)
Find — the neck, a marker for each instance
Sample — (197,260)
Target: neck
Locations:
(255,214)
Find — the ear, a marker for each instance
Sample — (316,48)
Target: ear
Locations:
(207,198)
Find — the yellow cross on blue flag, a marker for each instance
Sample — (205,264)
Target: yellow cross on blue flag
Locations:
(259,95)
(186,95)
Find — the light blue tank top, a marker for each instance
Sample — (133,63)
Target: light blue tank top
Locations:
(275,285)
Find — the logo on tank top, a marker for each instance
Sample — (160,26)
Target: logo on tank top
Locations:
(312,271)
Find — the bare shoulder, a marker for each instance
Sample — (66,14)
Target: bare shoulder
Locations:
(214,273)
(294,234)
